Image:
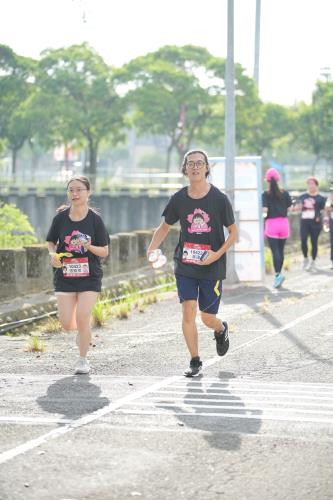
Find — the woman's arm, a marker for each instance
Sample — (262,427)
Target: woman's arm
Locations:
(98,251)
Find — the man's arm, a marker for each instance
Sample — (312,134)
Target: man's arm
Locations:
(158,237)
(232,238)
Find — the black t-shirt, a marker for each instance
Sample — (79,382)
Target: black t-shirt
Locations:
(83,270)
(201,221)
(311,206)
(276,207)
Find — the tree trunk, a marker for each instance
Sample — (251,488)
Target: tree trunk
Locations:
(169,151)
(93,149)
(313,166)
(14,161)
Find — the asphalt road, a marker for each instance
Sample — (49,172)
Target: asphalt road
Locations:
(257,424)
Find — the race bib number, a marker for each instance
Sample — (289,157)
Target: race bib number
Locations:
(308,214)
(193,252)
(75,268)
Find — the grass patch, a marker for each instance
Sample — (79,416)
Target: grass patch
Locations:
(101,313)
(35,345)
(51,325)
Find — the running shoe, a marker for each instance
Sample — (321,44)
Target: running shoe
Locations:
(305,263)
(82,366)
(311,266)
(194,368)
(222,340)
(278,280)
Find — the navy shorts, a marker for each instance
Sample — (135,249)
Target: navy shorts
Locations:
(207,292)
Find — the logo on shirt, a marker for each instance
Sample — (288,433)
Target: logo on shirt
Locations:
(199,222)
(74,242)
(309,203)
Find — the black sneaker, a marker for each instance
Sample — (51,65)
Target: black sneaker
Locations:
(222,340)
(194,368)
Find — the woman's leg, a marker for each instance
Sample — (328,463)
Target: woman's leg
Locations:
(67,310)
(304,238)
(85,304)
(314,235)
(282,242)
(275,249)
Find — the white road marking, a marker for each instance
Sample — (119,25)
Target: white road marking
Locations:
(34,443)
(249,416)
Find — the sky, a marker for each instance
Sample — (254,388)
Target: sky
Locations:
(296,35)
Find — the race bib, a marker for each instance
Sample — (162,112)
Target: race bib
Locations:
(308,214)
(192,252)
(75,268)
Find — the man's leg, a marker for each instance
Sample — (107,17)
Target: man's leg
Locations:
(190,330)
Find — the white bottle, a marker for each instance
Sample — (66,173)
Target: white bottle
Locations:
(157,258)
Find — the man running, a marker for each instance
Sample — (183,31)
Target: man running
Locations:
(200,256)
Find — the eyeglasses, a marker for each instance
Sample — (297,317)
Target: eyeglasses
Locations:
(196,164)
(78,190)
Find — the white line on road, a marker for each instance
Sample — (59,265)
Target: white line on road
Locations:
(34,443)
(229,415)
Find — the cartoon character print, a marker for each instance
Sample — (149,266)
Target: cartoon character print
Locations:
(309,204)
(74,242)
(199,222)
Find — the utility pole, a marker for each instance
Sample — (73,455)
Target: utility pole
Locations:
(257,43)
(230,129)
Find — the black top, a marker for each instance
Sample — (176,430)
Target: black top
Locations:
(83,267)
(276,207)
(201,222)
(311,206)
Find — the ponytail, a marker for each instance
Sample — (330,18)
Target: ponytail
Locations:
(274,189)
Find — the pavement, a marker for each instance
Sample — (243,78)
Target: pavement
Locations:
(258,423)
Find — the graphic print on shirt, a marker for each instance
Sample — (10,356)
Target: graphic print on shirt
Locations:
(199,222)
(308,208)
(193,253)
(74,242)
(77,267)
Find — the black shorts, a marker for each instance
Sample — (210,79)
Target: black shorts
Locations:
(78,285)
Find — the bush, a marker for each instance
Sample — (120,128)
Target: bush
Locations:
(15,228)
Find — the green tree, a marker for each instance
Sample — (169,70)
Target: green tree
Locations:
(78,96)
(179,92)
(16,88)
(275,124)
(170,92)
(15,228)
(315,123)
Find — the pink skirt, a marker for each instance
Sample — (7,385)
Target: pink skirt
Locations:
(277,228)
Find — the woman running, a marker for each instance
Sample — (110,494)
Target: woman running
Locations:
(76,240)
(276,202)
(312,206)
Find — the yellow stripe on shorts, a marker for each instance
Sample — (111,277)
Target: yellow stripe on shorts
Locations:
(216,289)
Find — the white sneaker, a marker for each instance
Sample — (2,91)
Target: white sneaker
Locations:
(82,366)
(305,263)
(311,266)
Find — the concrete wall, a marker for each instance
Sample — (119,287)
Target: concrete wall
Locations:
(28,270)
(121,212)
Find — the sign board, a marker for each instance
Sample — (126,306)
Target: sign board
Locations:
(249,250)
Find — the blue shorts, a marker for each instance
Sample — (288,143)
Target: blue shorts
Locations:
(209,292)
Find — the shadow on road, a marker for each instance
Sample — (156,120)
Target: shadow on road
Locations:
(72,397)
(223,429)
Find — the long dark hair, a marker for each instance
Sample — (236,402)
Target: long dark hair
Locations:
(274,189)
